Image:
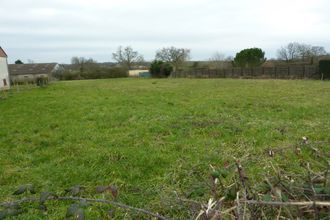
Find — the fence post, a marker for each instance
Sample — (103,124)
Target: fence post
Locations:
(304,70)
(275,71)
(263,71)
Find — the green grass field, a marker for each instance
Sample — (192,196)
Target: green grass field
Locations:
(151,137)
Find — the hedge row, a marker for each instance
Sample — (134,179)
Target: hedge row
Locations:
(99,73)
(325,68)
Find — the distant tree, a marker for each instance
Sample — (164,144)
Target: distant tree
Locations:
(289,53)
(159,68)
(229,59)
(127,57)
(251,57)
(30,61)
(217,60)
(175,56)
(18,62)
(81,63)
(304,51)
(307,51)
(299,51)
(195,65)
(316,51)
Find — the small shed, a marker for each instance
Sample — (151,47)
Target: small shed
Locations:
(139,73)
(4,73)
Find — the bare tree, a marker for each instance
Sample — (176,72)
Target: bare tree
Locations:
(304,51)
(289,52)
(295,51)
(309,51)
(82,63)
(317,51)
(175,56)
(127,57)
(218,60)
(282,54)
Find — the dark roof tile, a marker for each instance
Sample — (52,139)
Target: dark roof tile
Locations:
(2,53)
(34,68)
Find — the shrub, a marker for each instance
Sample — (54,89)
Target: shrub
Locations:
(160,69)
(69,75)
(325,68)
(251,57)
(42,81)
(95,73)
(104,73)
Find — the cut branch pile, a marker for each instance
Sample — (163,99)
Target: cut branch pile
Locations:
(280,196)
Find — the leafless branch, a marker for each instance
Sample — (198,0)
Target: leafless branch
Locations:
(117,204)
(302,203)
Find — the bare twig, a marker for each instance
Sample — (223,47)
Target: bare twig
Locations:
(279,214)
(212,210)
(244,211)
(326,173)
(120,205)
(238,207)
(276,203)
(229,210)
(274,192)
(310,179)
(312,188)
(242,178)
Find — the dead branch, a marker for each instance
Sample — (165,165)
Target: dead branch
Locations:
(120,205)
(242,178)
(326,173)
(310,179)
(238,207)
(276,203)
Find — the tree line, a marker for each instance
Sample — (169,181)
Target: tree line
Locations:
(171,59)
(300,51)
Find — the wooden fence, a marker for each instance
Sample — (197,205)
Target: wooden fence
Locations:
(280,72)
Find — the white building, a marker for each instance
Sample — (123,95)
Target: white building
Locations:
(138,73)
(4,74)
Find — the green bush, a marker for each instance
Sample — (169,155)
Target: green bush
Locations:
(160,69)
(104,73)
(325,68)
(252,57)
(69,75)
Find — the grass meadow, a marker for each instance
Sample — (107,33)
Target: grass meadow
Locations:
(150,137)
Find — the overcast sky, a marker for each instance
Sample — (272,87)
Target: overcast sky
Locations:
(56,30)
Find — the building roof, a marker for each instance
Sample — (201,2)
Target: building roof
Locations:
(2,53)
(34,68)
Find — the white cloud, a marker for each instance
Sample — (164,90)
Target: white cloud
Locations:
(58,29)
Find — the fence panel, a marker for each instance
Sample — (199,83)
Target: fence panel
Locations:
(279,72)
